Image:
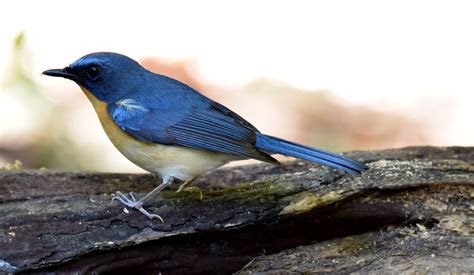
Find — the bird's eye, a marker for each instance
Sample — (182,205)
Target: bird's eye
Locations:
(93,71)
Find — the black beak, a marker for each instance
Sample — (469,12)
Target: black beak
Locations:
(66,73)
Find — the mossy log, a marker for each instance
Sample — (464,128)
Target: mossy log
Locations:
(412,211)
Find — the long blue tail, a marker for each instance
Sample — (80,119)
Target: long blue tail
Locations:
(287,148)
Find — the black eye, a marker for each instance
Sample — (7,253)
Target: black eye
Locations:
(93,71)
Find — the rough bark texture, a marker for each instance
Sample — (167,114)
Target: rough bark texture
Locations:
(412,211)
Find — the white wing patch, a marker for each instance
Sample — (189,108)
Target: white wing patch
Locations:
(125,109)
(131,105)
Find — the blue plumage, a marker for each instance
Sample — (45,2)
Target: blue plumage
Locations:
(287,148)
(154,120)
(158,109)
(200,123)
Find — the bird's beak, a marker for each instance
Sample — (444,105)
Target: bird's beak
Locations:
(61,73)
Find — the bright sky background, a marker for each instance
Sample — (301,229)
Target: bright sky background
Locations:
(387,54)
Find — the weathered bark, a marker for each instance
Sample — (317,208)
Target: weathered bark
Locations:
(412,211)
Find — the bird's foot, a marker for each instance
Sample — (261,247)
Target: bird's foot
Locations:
(131,202)
(183,188)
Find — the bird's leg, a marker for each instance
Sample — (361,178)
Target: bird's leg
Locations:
(184,187)
(131,202)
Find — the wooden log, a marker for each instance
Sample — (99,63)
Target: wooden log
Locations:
(412,211)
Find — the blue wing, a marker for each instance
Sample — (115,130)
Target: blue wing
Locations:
(187,119)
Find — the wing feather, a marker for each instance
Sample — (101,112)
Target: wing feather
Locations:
(208,126)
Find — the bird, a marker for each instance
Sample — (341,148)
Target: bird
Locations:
(171,130)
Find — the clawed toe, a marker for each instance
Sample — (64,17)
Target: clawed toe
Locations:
(131,202)
(149,215)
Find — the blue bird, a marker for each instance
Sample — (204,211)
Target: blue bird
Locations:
(170,129)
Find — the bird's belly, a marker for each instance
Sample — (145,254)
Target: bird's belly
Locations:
(180,162)
(177,161)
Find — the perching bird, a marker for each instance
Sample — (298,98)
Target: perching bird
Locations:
(170,129)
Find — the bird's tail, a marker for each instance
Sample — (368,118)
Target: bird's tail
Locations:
(287,148)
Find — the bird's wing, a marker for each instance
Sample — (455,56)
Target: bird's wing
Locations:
(206,125)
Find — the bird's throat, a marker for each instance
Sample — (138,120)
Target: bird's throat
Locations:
(95,102)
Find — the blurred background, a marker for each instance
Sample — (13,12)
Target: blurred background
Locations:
(341,75)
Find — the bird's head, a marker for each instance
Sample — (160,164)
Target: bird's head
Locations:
(107,76)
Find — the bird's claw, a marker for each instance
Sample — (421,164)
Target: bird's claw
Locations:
(149,215)
(131,202)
